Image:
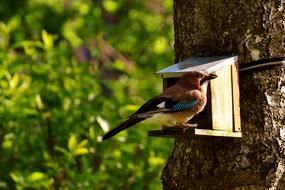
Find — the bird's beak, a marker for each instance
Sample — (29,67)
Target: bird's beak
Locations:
(211,76)
(208,77)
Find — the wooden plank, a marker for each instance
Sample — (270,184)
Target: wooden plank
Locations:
(217,133)
(236,97)
(172,133)
(192,133)
(221,100)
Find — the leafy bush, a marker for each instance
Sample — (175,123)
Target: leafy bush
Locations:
(71,70)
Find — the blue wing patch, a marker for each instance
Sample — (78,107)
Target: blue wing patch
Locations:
(183,105)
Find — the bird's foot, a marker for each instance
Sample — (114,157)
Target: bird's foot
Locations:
(188,125)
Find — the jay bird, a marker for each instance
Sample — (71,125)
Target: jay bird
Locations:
(175,106)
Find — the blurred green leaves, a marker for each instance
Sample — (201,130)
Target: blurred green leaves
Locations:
(69,72)
(35,180)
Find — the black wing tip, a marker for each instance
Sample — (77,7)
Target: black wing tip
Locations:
(106,136)
(126,124)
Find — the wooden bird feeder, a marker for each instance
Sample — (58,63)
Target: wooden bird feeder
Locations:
(221,115)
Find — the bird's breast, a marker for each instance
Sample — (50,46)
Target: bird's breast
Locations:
(161,119)
(170,119)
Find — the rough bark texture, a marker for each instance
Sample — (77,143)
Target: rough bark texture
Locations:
(252,30)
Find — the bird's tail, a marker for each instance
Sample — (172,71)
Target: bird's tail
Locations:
(126,124)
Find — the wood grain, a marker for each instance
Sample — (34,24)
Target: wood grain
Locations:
(236,97)
(221,100)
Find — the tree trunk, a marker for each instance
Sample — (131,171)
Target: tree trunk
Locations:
(253,30)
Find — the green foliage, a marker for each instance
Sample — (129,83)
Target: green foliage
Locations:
(70,71)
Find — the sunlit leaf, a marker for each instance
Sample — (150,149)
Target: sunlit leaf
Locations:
(83,143)
(47,39)
(103,123)
(91,96)
(118,64)
(60,149)
(154,161)
(160,45)
(99,138)
(72,142)
(92,133)
(66,104)
(14,81)
(29,44)
(70,34)
(15,177)
(7,144)
(39,102)
(117,153)
(129,108)
(84,9)
(92,150)
(14,23)
(110,5)
(36,176)
(80,151)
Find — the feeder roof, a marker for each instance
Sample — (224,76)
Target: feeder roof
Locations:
(208,64)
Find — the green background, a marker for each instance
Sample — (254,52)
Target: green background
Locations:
(69,72)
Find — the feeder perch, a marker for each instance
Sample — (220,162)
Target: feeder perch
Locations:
(221,115)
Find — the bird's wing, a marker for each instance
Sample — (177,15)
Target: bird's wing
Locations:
(151,105)
(175,106)
(160,104)
(172,93)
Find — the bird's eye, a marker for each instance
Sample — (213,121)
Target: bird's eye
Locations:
(200,75)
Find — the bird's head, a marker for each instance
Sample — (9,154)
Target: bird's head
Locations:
(197,77)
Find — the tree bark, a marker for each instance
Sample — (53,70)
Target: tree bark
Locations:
(253,30)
